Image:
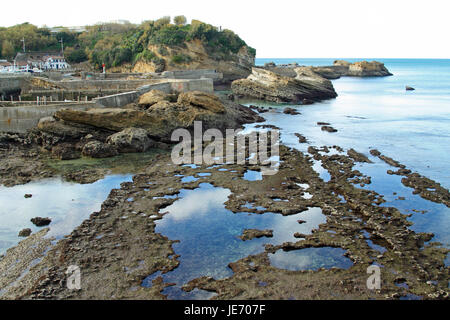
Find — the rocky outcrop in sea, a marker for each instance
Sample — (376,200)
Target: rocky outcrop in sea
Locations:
(340,68)
(263,84)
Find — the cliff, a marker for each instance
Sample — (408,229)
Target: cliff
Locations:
(157,46)
(194,55)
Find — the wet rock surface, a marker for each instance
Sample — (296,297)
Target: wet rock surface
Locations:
(358,157)
(301,138)
(291,111)
(65,151)
(21,164)
(85,176)
(250,234)
(328,129)
(428,189)
(25,232)
(98,149)
(40,222)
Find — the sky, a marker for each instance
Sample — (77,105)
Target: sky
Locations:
(277,28)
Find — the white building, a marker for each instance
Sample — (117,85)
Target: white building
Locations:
(5,66)
(55,63)
(42,60)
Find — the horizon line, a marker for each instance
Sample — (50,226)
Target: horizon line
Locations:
(340,58)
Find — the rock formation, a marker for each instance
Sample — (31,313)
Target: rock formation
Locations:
(40,222)
(150,98)
(149,122)
(367,69)
(340,68)
(98,149)
(130,140)
(267,85)
(25,232)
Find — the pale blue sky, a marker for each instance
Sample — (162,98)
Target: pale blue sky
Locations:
(278,28)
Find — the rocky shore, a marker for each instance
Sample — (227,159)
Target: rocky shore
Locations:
(117,247)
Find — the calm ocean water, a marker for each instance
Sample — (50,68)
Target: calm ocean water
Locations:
(411,127)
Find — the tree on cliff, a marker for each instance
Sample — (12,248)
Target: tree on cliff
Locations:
(180,20)
(7,49)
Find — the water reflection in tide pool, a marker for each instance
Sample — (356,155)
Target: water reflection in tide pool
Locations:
(67,204)
(252,175)
(426,216)
(209,235)
(310,259)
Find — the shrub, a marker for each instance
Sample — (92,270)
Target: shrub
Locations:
(163,51)
(145,55)
(180,58)
(77,56)
(169,35)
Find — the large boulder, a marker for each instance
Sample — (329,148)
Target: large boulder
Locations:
(130,140)
(267,85)
(207,101)
(65,151)
(40,222)
(97,149)
(150,98)
(114,119)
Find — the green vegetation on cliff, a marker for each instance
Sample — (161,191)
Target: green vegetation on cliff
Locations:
(36,39)
(117,44)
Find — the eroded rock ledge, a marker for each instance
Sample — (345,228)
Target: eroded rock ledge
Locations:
(305,87)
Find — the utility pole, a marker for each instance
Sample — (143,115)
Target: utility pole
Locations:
(23,40)
(62,46)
